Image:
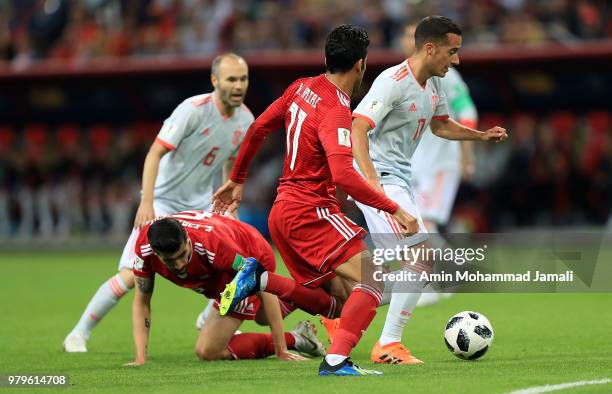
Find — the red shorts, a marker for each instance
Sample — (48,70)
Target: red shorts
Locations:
(313,241)
(245,310)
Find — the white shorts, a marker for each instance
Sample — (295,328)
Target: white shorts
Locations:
(127,257)
(384,229)
(436,194)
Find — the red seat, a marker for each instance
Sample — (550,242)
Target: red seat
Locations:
(7,137)
(36,137)
(101,138)
(68,136)
(145,132)
(564,124)
(488,120)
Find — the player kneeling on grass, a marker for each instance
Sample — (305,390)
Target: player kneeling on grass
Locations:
(198,250)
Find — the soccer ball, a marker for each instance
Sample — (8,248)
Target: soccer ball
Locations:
(468,335)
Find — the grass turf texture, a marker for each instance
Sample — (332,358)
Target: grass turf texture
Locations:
(539,339)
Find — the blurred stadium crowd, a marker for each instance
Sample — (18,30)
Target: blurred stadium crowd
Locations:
(69,29)
(67,179)
(555,170)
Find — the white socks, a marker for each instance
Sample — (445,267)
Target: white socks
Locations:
(101,303)
(403,300)
(263,281)
(207,310)
(334,359)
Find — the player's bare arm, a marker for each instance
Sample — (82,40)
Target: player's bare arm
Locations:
(141,319)
(145,211)
(227,197)
(361,152)
(275,321)
(451,130)
(227,169)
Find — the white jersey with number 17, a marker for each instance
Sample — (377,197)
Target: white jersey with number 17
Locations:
(399,110)
(200,140)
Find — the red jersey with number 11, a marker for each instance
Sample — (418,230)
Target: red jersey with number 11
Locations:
(316,116)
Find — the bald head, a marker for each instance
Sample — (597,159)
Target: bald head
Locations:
(229,59)
(230,78)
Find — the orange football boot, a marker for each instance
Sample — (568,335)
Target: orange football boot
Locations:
(330,325)
(393,353)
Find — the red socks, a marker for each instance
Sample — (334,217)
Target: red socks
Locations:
(357,314)
(252,345)
(314,301)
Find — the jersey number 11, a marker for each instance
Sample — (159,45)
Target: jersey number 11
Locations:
(292,146)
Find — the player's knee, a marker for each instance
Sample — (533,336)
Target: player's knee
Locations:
(208,353)
(261,319)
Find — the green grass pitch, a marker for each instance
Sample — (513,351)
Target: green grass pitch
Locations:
(539,339)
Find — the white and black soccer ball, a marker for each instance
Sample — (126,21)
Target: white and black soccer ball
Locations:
(468,335)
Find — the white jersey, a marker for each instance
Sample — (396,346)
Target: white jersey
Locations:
(399,110)
(434,153)
(200,140)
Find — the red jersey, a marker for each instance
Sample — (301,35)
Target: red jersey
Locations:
(216,241)
(316,116)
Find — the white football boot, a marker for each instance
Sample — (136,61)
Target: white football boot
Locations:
(308,342)
(75,343)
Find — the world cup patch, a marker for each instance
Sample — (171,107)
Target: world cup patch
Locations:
(138,263)
(344,137)
(374,106)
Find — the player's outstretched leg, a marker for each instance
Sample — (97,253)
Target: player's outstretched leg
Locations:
(244,284)
(100,304)
(220,340)
(356,316)
(252,277)
(389,348)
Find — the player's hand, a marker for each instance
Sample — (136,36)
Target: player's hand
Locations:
(145,214)
(408,223)
(227,197)
(287,356)
(496,134)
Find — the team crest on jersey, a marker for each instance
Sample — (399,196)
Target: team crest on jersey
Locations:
(374,106)
(236,137)
(344,137)
(434,101)
(138,263)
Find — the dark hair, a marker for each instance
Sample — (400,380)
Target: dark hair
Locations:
(166,235)
(344,46)
(434,29)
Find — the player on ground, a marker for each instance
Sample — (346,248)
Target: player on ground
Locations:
(195,145)
(315,239)
(198,250)
(438,164)
(403,101)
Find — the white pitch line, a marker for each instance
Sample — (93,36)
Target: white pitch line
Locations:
(554,387)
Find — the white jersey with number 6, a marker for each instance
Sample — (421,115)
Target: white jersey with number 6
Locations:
(200,140)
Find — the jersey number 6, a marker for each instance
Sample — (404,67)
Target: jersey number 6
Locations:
(293,147)
(210,156)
